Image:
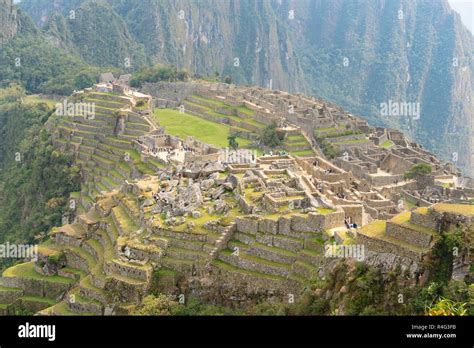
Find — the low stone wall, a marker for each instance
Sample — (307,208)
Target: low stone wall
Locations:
(61,238)
(75,261)
(9,296)
(254,266)
(293,245)
(380,246)
(270,255)
(122,291)
(308,223)
(408,235)
(355,212)
(36,287)
(243,290)
(32,305)
(384,180)
(427,220)
(127,270)
(85,307)
(250,127)
(181,235)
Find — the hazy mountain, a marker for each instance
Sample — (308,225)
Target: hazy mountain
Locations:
(8,22)
(358,53)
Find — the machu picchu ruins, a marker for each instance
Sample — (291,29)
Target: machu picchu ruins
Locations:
(161,207)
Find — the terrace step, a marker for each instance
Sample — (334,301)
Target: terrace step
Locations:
(82,305)
(60,309)
(79,258)
(231,268)
(9,295)
(185,244)
(88,290)
(137,272)
(122,221)
(185,254)
(184,266)
(254,263)
(272,253)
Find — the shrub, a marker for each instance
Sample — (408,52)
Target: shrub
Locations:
(418,170)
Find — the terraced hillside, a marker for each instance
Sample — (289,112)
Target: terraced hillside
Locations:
(110,258)
(103,143)
(219,118)
(228,233)
(104,262)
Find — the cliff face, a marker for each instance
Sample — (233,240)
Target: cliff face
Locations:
(360,54)
(8,21)
(400,51)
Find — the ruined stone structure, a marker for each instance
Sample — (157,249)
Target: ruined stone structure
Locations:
(230,233)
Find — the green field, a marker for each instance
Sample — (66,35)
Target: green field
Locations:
(387,144)
(26,270)
(183,125)
(36,99)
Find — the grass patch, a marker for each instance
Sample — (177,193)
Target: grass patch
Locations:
(302,153)
(387,144)
(462,209)
(27,271)
(183,125)
(48,301)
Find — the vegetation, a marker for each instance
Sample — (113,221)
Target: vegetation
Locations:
(272,137)
(233,144)
(329,150)
(184,125)
(156,74)
(387,144)
(155,305)
(418,170)
(40,67)
(36,179)
(339,134)
(165,305)
(445,307)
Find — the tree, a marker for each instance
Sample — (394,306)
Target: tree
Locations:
(228,80)
(271,136)
(232,139)
(418,170)
(447,307)
(156,305)
(157,73)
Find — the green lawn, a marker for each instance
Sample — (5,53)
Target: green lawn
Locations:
(26,270)
(387,144)
(355,141)
(302,153)
(183,125)
(36,99)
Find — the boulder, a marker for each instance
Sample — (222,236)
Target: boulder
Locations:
(207,184)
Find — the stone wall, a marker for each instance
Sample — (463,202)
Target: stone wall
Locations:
(307,223)
(380,246)
(409,235)
(355,212)
(36,287)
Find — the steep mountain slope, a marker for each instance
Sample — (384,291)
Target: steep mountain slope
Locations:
(359,54)
(8,24)
(427,60)
(112,44)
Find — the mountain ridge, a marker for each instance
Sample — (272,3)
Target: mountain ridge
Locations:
(335,50)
